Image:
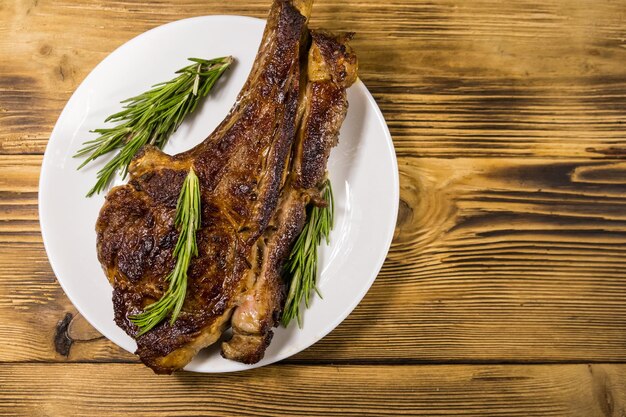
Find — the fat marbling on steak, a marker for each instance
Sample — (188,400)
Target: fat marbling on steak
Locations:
(247,189)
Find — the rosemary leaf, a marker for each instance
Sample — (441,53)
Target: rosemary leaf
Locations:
(151,117)
(187,221)
(301,267)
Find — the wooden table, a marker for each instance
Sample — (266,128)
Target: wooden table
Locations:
(504,292)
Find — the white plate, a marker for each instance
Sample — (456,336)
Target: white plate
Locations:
(362,168)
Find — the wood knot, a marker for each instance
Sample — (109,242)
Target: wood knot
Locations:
(62,340)
(405,216)
(65,70)
(73,328)
(426,208)
(602,389)
(405,213)
(45,50)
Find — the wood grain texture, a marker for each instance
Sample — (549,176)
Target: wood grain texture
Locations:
(474,78)
(461,390)
(494,260)
(508,121)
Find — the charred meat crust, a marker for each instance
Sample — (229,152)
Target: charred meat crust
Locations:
(320,130)
(332,68)
(332,57)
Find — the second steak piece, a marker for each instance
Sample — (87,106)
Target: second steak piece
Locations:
(332,67)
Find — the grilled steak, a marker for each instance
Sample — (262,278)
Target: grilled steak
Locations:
(254,186)
(332,67)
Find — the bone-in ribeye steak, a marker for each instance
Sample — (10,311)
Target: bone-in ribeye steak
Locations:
(258,170)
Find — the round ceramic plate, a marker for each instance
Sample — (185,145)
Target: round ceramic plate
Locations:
(362,168)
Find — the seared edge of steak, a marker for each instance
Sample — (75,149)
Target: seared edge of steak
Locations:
(331,69)
(260,307)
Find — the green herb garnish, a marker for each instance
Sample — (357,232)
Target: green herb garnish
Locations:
(187,221)
(302,263)
(151,117)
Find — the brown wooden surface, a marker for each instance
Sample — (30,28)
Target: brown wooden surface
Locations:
(507,275)
(463,390)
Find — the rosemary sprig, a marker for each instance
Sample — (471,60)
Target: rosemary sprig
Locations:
(188,221)
(151,117)
(302,262)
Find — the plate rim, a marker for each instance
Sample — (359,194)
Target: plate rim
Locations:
(395,189)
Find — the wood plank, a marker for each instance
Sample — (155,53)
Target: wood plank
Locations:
(493,260)
(132,390)
(19,183)
(480,78)
(498,260)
